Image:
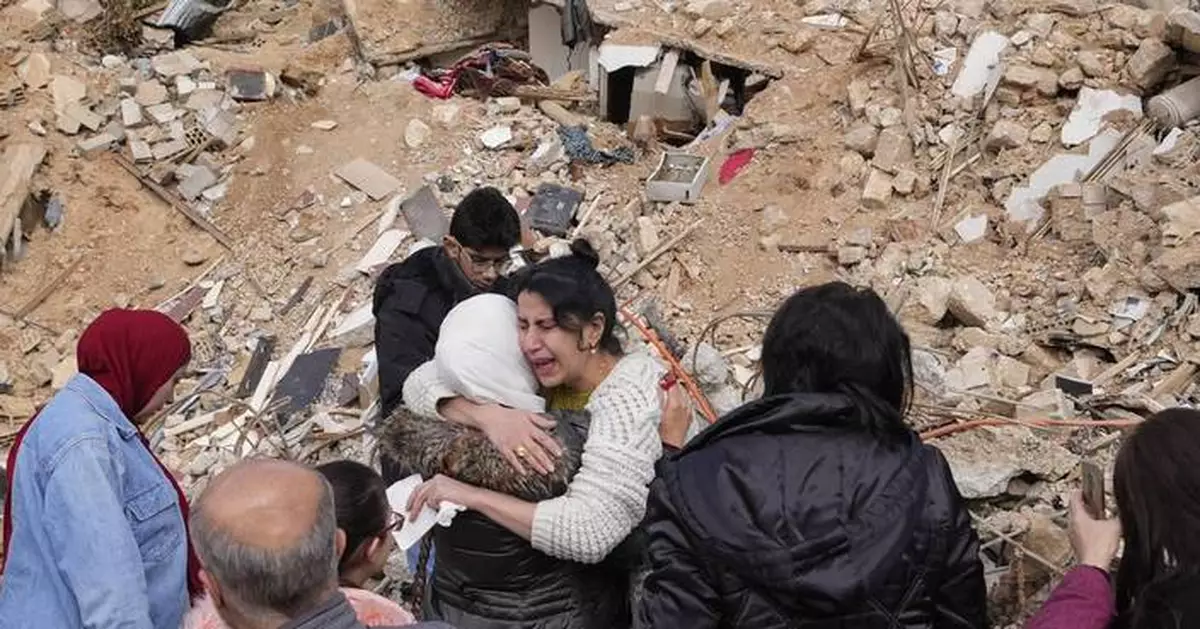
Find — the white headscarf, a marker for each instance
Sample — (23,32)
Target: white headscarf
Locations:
(478,354)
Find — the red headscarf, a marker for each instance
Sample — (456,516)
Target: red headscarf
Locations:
(131,354)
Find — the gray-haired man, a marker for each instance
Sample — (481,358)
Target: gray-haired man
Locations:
(267,536)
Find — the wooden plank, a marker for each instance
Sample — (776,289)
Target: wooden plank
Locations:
(666,72)
(19,163)
(195,217)
(48,290)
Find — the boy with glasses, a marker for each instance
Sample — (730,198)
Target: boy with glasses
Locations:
(413,297)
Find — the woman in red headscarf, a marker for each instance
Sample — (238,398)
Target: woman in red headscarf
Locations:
(95,528)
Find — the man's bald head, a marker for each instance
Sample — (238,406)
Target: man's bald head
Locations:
(266,533)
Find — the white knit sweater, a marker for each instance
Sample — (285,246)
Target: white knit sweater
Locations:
(607,497)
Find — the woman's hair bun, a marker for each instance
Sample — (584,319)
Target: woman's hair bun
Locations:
(583,250)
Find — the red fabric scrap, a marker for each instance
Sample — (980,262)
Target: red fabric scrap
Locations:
(734,165)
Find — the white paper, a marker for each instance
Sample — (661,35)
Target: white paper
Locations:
(414,529)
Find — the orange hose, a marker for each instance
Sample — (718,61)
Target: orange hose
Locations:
(693,389)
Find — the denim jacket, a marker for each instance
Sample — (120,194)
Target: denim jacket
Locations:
(98,540)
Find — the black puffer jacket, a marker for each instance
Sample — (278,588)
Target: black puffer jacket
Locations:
(781,515)
(487,577)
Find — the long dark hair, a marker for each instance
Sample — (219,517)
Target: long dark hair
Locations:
(834,338)
(360,500)
(1157,486)
(575,291)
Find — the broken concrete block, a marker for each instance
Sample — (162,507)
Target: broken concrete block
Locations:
(1071,79)
(202,99)
(103,141)
(862,138)
(549,151)
(850,255)
(972,228)
(184,85)
(416,133)
(981,65)
(933,297)
(983,462)
(647,233)
(162,113)
(169,149)
(131,114)
(1044,80)
(496,137)
(893,150)
(150,93)
(709,9)
(905,182)
(172,64)
(85,116)
(196,183)
(972,302)
(1007,134)
(1183,29)
(1150,64)
(140,151)
(1090,109)
(35,71)
(878,190)
(858,94)
(66,91)
(369,178)
(508,104)
(1092,63)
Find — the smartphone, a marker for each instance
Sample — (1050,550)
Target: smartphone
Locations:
(1093,489)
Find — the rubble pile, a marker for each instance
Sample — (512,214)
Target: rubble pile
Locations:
(1024,202)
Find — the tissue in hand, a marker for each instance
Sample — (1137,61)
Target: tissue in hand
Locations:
(415,528)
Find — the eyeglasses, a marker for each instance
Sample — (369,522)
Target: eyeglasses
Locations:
(483,263)
(395,521)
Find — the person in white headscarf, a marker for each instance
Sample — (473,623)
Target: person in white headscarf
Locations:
(486,576)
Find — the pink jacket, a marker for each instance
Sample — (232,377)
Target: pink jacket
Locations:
(1084,600)
(372,609)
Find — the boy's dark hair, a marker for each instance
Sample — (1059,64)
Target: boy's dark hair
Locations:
(575,291)
(360,501)
(486,220)
(834,338)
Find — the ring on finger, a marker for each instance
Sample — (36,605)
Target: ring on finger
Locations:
(522,452)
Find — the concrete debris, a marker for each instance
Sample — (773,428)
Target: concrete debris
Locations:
(416,133)
(972,228)
(1150,64)
(35,71)
(369,178)
(1090,112)
(1007,134)
(972,303)
(984,462)
(893,150)
(1028,77)
(878,190)
(496,137)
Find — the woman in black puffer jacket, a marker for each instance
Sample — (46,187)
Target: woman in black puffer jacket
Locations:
(815,506)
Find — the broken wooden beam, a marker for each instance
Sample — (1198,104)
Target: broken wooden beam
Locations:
(169,199)
(47,290)
(656,254)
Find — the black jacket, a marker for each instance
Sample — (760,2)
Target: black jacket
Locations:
(782,515)
(411,300)
(485,576)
